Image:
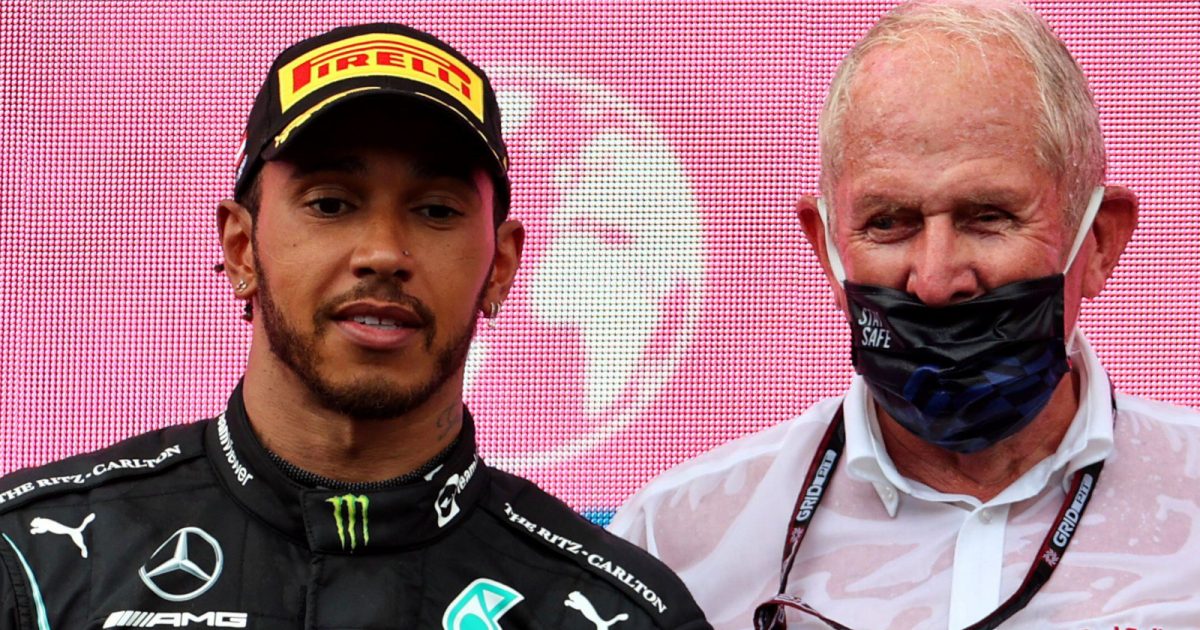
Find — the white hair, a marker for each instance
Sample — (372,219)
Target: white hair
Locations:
(1070,145)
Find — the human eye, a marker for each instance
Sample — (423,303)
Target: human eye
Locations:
(882,223)
(327,206)
(438,212)
(890,226)
(989,218)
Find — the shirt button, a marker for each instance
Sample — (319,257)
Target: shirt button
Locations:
(985,515)
(888,493)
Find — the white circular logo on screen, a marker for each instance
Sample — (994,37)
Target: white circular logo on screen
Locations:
(619,248)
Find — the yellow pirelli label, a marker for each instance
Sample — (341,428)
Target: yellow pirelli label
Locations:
(380,54)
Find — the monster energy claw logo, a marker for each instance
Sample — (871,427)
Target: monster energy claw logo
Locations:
(347,526)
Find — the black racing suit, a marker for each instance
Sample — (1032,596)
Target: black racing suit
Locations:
(194,526)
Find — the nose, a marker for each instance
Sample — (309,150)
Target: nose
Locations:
(941,268)
(382,249)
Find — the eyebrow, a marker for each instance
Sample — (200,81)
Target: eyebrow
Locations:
(995,197)
(876,203)
(1000,196)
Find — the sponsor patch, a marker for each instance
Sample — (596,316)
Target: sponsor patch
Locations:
(43,525)
(145,619)
(351,515)
(594,559)
(446,504)
(480,605)
(240,472)
(380,54)
(579,601)
(99,470)
(189,571)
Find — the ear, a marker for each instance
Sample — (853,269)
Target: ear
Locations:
(235,226)
(814,230)
(1111,231)
(510,241)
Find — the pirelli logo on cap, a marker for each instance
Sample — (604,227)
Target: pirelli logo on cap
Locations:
(380,54)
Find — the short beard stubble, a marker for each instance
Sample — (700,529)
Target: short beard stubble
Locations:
(364,398)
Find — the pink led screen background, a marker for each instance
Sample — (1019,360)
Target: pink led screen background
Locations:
(667,301)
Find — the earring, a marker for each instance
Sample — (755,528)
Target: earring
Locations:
(247,308)
(493,311)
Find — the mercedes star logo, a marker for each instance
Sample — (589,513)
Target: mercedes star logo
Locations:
(168,574)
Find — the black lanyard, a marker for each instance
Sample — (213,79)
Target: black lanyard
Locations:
(770,614)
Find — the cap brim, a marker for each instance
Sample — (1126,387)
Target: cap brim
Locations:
(297,125)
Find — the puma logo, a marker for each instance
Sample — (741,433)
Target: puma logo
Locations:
(577,601)
(42,525)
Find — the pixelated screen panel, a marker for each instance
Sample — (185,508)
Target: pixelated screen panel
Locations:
(667,301)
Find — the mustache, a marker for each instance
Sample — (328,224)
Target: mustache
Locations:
(378,290)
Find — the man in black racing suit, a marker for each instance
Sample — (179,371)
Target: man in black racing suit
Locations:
(341,488)
(195,526)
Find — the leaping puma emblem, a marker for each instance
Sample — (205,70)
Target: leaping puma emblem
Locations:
(577,601)
(41,525)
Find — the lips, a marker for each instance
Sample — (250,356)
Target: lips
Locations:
(378,326)
(380,314)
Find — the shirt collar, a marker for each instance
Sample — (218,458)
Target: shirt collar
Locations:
(331,521)
(1089,439)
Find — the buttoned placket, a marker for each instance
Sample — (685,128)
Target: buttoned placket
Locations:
(978,565)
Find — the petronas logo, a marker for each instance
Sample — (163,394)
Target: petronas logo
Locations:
(349,514)
(480,605)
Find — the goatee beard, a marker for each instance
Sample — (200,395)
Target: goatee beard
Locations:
(364,397)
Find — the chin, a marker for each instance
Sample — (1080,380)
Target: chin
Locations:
(372,398)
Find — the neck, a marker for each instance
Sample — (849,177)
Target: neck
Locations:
(987,473)
(289,421)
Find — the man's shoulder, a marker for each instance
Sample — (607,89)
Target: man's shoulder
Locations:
(700,514)
(1154,437)
(1148,410)
(548,523)
(743,460)
(147,455)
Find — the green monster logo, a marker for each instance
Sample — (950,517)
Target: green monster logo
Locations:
(348,527)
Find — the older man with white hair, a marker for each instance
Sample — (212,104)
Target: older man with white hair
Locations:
(981,469)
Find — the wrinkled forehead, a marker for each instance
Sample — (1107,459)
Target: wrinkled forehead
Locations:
(932,92)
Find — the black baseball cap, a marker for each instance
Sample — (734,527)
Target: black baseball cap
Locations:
(312,77)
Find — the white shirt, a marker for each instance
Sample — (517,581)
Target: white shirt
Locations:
(885,551)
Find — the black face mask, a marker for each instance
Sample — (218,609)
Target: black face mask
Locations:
(963,376)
